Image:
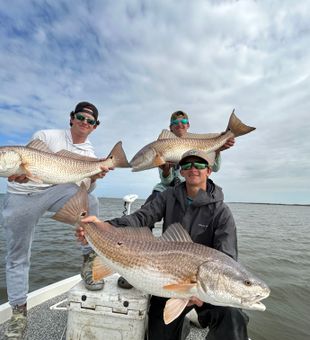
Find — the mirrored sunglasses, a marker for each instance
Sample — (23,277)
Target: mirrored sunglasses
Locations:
(196,165)
(81,118)
(177,121)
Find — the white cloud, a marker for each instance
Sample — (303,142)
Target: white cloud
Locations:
(142,60)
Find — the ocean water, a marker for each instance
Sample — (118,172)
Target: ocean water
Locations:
(274,243)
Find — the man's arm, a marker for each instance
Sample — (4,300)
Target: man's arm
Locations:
(225,234)
(147,215)
(166,173)
(229,143)
(217,163)
(94,178)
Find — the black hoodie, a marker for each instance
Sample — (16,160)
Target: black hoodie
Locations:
(207,218)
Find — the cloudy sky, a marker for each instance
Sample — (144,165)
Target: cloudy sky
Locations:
(139,61)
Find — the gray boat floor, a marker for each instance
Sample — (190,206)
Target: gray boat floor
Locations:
(43,323)
(46,324)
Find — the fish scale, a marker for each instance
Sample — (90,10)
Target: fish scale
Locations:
(152,265)
(174,150)
(162,255)
(170,266)
(54,168)
(170,148)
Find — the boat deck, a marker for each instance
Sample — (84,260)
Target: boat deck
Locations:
(47,324)
(44,323)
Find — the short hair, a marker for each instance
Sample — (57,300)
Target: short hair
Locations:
(177,114)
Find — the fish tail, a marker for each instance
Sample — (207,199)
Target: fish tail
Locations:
(236,126)
(118,156)
(75,209)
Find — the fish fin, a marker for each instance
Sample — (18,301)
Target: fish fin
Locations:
(143,233)
(86,181)
(34,179)
(175,232)
(38,144)
(236,126)
(173,309)
(118,156)
(74,209)
(100,270)
(29,175)
(201,135)
(180,287)
(69,154)
(166,134)
(158,160)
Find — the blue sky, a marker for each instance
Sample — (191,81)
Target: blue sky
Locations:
(139,61)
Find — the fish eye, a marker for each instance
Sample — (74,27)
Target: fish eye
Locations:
(248,283)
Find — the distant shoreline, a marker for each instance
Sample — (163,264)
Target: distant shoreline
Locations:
(289,204)
(261,203)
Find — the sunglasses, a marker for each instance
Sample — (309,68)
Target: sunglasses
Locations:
(196,165)
(81,118)
(177,121)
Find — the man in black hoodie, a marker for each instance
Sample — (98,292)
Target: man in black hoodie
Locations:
(198,205)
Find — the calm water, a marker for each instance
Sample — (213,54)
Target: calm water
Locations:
(274,243)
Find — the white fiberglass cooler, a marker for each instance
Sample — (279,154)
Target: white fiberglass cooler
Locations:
(113,313)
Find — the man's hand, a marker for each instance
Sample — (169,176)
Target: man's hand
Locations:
(166,168)
(79,231)
(18,178)
(229,143)
(194,301)
(80,235)
(101,174)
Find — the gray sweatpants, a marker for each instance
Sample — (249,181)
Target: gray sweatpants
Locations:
(19,216)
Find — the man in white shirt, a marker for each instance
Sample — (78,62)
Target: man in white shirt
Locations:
(26,201)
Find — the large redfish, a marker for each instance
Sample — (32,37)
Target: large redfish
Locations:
(41,165)
(170,148)
(170,266)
